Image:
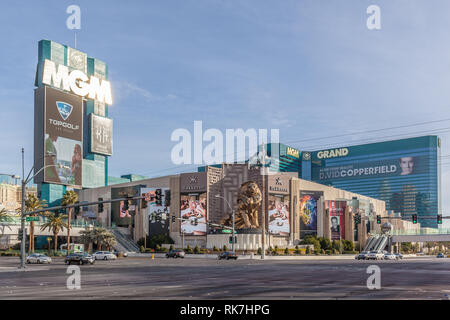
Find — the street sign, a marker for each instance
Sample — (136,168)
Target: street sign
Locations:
(226,231)
(28,219)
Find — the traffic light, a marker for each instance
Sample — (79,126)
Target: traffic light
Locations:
(20,234)
(77,208)
(231,239)
(414,218)
(173,218)
(167,198)
(195,221)
(144,202)
(158,197)
(439,219)
(100,205)
(379,219)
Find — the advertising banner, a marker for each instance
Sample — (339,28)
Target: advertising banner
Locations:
(119,216)
(279,215)
(101,135)
(158,215)
(336,210)
(308,212)
(193,209)
(63,134)
(401,166)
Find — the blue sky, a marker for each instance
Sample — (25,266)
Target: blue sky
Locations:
(310,68)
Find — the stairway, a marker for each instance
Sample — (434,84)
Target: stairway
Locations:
(124,242)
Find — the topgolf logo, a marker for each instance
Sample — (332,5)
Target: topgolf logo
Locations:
(64,109)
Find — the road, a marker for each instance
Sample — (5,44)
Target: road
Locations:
(144,278)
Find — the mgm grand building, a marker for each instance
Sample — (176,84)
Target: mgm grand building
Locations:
(192,203)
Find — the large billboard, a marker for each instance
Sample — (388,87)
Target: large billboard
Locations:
(63,134)
(308,212)
(401,166)
(193,214)
(279,215)
(101,135)
(336,210)
(403,173)
(158,215)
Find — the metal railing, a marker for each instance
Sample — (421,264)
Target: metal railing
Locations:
(420,232)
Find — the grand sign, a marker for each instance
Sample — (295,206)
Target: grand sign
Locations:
(76,81)
(333,153)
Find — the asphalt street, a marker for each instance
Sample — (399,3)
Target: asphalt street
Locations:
(144,278)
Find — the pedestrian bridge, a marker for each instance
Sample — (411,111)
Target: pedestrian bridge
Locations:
(422,235)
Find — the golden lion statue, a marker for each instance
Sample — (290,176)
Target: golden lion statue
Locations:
(249,200)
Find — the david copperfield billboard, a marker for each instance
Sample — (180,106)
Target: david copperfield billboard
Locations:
(403,173)
(63,137)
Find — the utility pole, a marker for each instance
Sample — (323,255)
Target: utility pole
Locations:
(263,224)
(22,216)
(232,243)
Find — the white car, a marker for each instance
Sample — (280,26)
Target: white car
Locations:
(390,256)
(374,255)
(38,258)
(104,255)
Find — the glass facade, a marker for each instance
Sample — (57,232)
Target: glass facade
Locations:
(403,173)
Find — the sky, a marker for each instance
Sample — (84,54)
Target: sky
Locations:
(309,68)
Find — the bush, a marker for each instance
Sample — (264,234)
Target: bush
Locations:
(328,252)
(215,249)
(308,251)
(225,248)
(286,251)
(142,249)
(155,240)
(322,251)
(259,251)
(196,250)
(171,247)
(297,250)
(325,244)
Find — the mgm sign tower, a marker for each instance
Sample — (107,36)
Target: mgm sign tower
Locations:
(72,131)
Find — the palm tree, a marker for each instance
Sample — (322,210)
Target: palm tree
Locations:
(55,223)
(103,237)
(70,197)
(3,215)
(33,203)
(88,237)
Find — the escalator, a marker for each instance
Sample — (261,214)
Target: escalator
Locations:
(381,244)
(371,243)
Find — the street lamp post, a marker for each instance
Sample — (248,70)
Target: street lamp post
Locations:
(232,214)
(22,209)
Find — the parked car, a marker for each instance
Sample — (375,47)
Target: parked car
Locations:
(177,253)
(375,255)
(118,253)
(390,256)
(399,256)
(440,255)
(361,256)
(104,255)
(79,258)
(38,258)
(228,255)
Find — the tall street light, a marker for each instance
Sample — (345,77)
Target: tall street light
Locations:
(232,213)
(25,181)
